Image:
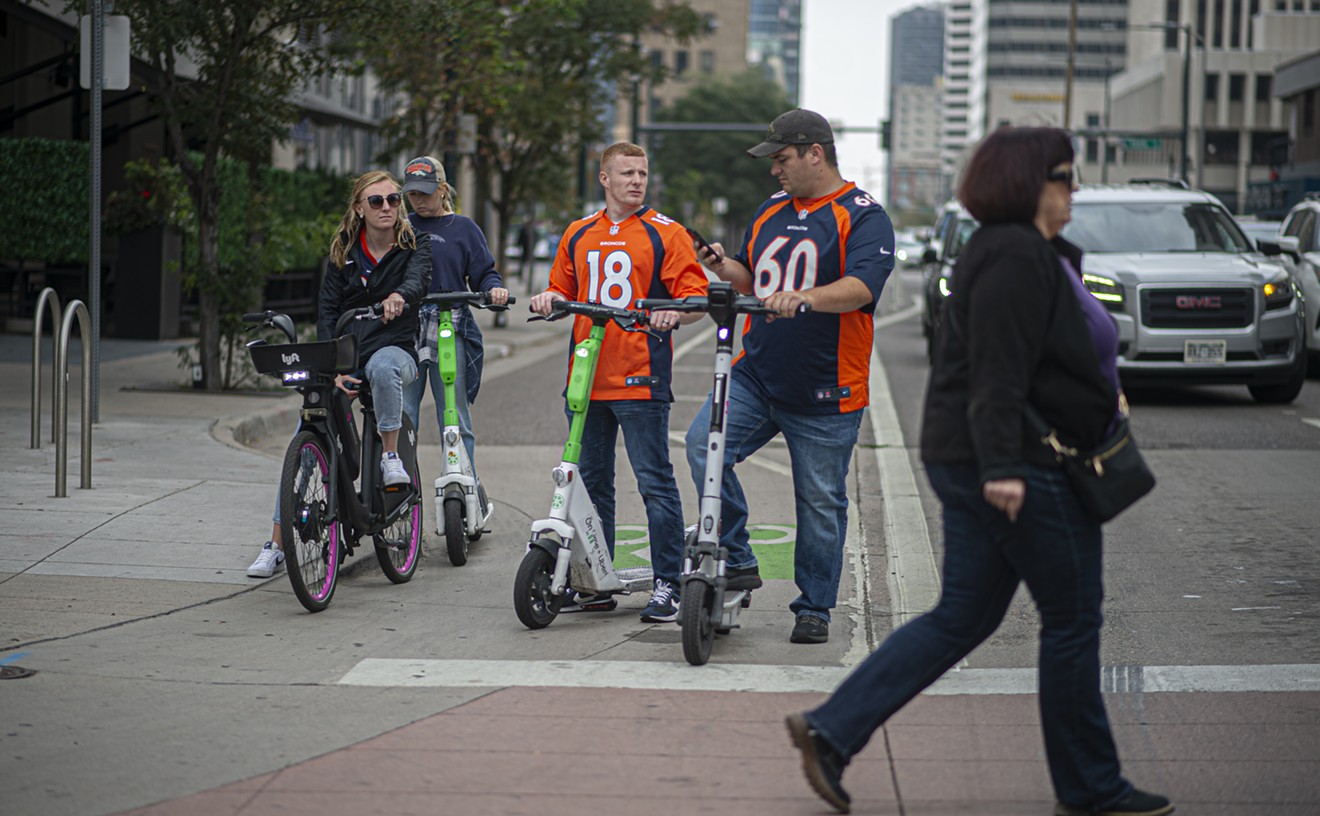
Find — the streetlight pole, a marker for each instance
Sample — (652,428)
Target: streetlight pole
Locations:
(1186,95)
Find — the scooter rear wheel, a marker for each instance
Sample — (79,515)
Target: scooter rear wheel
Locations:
(536,605)
(695,618)
(456,540)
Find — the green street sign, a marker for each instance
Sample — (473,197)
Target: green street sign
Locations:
(1142,144)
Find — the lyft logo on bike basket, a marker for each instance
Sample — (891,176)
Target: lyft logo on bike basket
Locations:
(290,359)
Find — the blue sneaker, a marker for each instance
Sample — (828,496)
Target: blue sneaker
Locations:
(663,607)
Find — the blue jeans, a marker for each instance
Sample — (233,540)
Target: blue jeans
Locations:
(645,425)
(820,446)
(1056,549)
(412,400)
(389,369)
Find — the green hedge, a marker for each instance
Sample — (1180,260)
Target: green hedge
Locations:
(44,200)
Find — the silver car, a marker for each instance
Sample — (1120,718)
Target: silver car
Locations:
(1194,299)
(1299,239)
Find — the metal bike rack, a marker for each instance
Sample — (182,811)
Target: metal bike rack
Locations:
(49,297)
(75,309)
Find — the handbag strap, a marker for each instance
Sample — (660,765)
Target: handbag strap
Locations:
(1048,436)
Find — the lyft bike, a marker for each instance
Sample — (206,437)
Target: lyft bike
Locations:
(323,511)
(462,510)
(709,607)
(567,550)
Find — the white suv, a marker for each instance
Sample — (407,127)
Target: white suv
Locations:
(1195,301)
(1299,238)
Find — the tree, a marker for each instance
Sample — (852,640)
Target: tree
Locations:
(225,75)
(695,167)
(538,74)
(443,57)
(576,55)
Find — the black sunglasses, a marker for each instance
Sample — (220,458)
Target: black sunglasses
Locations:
(1067,176)
(376,201)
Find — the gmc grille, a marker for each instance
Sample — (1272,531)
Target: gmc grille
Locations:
(1197,308)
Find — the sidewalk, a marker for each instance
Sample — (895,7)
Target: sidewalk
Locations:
(165,528)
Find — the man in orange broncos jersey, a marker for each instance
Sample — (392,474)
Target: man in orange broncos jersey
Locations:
(823,243)
(625,252)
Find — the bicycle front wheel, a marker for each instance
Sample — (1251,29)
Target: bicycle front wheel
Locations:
(309,530)
(399,546)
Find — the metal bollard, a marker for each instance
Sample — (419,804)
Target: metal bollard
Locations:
(75,309)
(47,296)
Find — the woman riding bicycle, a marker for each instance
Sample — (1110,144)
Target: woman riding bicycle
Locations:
(373,259)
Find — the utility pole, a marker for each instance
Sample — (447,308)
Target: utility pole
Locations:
(1072,58)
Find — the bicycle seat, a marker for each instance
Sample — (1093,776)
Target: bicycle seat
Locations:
(338,356)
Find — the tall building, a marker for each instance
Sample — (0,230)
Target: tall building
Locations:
(1026,66)
(962,102)
(1236,126)
(916,68)
(721,52)
(774,41)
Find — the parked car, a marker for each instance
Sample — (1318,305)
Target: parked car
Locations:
(1195,300)
(952,229)
(1299,240)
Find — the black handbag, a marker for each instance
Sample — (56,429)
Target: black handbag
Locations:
(1108,479)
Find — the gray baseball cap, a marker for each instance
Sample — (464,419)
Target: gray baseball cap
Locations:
(423,174)
(796,127)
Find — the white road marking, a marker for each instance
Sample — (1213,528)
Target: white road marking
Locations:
(381,672)
(1314,423)
(914,582)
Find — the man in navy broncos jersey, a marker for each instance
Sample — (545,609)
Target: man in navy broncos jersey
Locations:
(822,242)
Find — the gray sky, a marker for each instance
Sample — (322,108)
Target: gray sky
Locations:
(845,76)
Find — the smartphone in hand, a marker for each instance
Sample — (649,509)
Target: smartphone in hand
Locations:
(704,244)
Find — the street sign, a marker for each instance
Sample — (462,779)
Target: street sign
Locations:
(1142,144)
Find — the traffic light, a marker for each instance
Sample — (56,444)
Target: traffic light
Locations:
(884,134)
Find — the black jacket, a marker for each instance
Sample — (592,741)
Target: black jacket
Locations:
(406,271)
(1013,333)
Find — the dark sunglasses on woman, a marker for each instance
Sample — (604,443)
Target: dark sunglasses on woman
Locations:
(375,202)
(1069,176)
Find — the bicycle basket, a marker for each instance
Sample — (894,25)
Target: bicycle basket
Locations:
(338,356)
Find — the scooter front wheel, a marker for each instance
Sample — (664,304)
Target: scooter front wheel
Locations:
(695,618)
(534,601)
(456,540)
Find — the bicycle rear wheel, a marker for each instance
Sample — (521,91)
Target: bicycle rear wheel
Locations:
(310,532)
(399,546)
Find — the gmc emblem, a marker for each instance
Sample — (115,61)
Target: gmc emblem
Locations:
(1198,302)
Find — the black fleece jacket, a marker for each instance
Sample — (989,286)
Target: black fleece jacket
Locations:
(406,271)
(1013,333)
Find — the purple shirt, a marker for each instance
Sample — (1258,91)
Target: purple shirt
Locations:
(1104,332)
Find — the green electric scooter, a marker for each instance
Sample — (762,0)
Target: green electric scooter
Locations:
(462,510)
(567,550)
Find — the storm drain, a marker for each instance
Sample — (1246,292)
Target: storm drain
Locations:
(15,672)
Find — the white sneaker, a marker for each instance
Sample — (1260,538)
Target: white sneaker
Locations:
(269,561)
(393,471)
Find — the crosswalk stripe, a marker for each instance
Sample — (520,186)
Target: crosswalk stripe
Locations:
(385,672)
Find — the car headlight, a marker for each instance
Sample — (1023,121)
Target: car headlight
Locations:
(1105,290)
(1278,293)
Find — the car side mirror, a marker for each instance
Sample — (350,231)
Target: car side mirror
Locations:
(929,256)
(1289,245)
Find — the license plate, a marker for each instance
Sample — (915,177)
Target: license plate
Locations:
(1205,352)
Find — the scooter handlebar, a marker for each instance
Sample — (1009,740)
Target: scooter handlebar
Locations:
(481,300)
(599,311)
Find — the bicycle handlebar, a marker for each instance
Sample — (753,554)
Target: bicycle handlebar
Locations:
(481,300)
